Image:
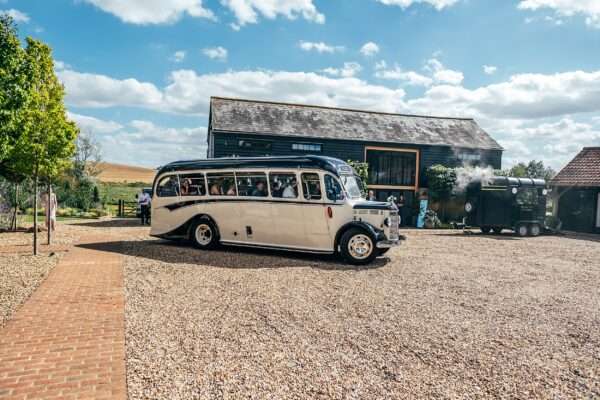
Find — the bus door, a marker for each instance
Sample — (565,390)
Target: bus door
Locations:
(255,219)
(314,213)
(166,195)
(286,221)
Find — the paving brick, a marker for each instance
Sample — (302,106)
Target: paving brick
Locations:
(68,339)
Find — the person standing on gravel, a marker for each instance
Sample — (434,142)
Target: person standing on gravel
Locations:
(144,202)
(50,204)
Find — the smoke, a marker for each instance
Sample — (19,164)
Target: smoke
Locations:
(467,174)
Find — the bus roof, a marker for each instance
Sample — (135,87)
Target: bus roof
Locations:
(333,165)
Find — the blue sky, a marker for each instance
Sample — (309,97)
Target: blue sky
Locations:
(139,73)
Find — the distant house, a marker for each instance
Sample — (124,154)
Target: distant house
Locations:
(397,147)
(577,192)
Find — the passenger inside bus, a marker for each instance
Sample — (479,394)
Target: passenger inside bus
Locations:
(291,190)
(215,188)
(260,190)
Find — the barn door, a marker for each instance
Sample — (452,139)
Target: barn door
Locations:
(598,210)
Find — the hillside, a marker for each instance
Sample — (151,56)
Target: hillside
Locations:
(125,173)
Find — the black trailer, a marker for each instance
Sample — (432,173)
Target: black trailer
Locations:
(501,203)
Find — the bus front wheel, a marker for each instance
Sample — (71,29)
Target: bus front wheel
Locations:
(534,230)
(203,234)
(357,247)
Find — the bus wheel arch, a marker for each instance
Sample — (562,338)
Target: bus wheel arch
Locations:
(356,242)
(203,232)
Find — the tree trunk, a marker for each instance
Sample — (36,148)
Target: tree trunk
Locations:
(35,206)
(48,213)
(13,224)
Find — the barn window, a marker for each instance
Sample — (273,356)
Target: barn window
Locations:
(310,147)
(255,144)
(469,157)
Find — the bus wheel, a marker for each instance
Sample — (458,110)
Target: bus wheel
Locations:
(485,229)
(534,230)
(522,230)
(497,230)
(357,247)
(204,234)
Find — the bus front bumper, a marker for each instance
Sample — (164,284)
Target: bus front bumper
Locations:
(386,244)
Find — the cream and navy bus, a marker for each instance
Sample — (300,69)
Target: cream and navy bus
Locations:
(299,203)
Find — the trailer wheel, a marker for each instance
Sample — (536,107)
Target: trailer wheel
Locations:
(534,230)
(522,230)
(497,230)
(204,234)
(485,229)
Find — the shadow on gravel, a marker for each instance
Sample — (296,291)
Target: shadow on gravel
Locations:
(227,256)
(111,223)
(502,236)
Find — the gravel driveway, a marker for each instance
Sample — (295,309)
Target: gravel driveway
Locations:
(447,315)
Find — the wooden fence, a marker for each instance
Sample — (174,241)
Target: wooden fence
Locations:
(124,209)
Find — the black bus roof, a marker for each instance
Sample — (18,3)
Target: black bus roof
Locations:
(333,165)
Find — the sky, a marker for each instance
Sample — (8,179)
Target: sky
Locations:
(138,74)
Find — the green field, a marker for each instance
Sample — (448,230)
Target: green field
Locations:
(111,193)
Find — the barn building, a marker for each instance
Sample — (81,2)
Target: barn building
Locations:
(576,192)
(398,148)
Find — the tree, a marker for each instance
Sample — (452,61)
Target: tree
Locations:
(12,84)
(534,169)
(88,155)
(441,182)
(47,144)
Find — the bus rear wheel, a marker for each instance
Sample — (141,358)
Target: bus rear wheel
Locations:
(357,247)
(485,229)
(203,234)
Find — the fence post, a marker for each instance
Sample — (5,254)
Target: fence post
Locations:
(121,206)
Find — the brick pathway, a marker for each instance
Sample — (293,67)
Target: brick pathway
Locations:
(68,340)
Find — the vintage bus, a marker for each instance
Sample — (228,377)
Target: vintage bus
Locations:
(299,203)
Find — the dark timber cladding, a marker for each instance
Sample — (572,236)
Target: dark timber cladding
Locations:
(576,189)
(398,147)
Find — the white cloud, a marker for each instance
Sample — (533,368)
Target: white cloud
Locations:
(441,74)
(436,70)
(535,110)
(396,73)
(489,69)
(141,142)
(590,9)
(349,69)
(319,47)
(93,90)
(178,56)
(16,15)
(369,49)
(215,53)
(144,12)
(95,125)
(438,4)
(248,11)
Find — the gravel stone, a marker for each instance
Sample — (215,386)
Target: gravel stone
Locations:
(20,275)
(447,315)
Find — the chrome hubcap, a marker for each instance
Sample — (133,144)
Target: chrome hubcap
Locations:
(523,230)
(203,234)
(360,246)
(535,230)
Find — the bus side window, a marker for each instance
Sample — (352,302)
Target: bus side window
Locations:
(333,189)
(253,184)
(283,185)
(192,185)
(311,185)
(168,186)
(221,184)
